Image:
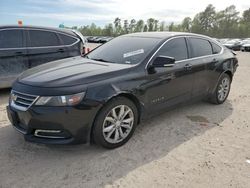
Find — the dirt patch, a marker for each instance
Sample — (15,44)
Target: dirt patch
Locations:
(199,119)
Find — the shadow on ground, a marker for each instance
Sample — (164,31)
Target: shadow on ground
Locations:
(31,164)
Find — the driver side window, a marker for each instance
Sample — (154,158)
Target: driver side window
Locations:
(175,48)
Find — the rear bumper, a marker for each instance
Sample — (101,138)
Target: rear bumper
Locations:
(54,125)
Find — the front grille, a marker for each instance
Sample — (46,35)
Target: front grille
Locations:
(22,101)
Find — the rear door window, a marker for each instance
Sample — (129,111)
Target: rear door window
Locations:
(43,39)
(200,47)
(176,48)
(216,48)
(67,40)
(12,38)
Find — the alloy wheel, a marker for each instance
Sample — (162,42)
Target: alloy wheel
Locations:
(117,124)
(223,89)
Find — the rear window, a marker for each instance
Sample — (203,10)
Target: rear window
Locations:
(11,38)
(67,40)
(200,47)
(43,38)
(216,48)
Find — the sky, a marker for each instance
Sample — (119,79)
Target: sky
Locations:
(84,12)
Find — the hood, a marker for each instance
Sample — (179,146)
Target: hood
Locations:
(70,72)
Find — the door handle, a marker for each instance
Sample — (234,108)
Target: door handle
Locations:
(61,50)
(215,60)
(188,67)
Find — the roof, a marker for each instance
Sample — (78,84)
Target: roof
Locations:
(161,35)
(67,31)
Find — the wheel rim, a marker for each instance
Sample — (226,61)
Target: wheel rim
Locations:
(118,123)
(223,89)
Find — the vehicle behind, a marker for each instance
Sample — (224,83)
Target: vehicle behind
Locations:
(24,47)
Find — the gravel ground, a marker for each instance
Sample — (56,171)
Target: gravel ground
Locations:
(199,145)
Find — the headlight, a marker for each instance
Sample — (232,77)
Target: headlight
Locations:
(67,100)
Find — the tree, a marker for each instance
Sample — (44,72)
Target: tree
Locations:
(186,24)
(204,21)
(150,23)
(156,22)
(244,28)
(139,26)
(118,27)
(125,27)
(132,25)
(226,23)
(171,26)
(108,30)
(246,16)
(162,26)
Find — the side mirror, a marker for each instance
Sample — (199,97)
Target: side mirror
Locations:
(163,61)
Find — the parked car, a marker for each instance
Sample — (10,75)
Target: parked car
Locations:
(245,47)
(92,39)
(233,45)
(103,96)
(99,39)
(24,47)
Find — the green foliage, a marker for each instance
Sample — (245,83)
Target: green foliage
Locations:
(222,24)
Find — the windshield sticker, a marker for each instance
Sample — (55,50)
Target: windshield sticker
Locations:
(141,51)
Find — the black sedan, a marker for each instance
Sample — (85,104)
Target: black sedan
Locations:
(103,96)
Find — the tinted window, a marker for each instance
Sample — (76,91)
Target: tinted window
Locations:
(200,47)
(175,48)
(216,48)
(11,39)
(43,38)
(67,40)
(125,50)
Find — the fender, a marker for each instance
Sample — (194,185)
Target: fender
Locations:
(224,72)
(107,93)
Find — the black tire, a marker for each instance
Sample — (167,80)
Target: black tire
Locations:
(215,99)
(98,134)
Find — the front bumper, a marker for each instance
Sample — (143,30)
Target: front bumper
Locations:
(55,125)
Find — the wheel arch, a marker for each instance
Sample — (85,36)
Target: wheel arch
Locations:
(228,72)
(127,95)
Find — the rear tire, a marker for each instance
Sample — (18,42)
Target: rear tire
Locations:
(222,90)
(115,123)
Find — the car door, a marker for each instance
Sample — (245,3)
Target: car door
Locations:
(169,86)
(202,54)
(13,55)
(44,46)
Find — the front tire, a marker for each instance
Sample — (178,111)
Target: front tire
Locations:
(222,90)
(116,122)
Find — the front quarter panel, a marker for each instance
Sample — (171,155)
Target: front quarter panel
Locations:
(128,84)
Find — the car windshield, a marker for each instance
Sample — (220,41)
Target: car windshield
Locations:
(124,50)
